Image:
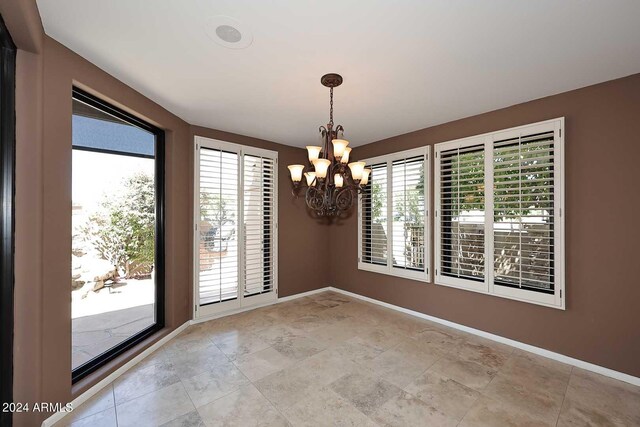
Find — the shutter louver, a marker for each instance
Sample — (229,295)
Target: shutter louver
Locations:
(523,227)
(462,210)
(218,246)
(408,223)
(374,217)
(259,224)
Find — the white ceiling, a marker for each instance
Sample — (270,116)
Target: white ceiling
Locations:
(406,64)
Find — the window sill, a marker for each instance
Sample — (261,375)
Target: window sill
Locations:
(420,276)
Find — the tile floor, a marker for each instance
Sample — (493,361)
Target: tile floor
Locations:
(330,360)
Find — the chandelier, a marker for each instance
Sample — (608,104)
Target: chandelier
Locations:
(332,182)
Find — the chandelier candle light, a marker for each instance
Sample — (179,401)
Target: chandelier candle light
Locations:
(333,184)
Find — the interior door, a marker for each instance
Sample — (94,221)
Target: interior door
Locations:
(235,227)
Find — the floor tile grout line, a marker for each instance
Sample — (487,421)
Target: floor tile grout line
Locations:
(115,407)
(564,397)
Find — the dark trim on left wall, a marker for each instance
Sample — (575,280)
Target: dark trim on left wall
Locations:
(7,215)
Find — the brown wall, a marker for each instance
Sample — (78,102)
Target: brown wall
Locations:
(600,324)
(62,69)
(46,71)
(602,145)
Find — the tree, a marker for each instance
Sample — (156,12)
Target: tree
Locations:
(123,230)
(516,172)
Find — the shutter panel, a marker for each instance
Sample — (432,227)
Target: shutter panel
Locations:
(374,217)
(259,224)
(523,228)
(408,202)
(462,211)
(218,246)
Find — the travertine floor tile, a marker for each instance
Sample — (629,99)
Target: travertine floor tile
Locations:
(440,391)
(593,398)
(487,412)
(262,363)
(105,418)
(214,383)
(244,407)
(323,407)
(286,387)
(332,360)
(365,392)
(401,364)
(470,374)
(192,419)
(138,382)
(99,402)
(155,408)
(404,409)
(188,363)
(238,345)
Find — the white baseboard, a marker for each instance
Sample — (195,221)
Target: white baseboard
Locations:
(137,359)
(517,344)
(253,307)
(304,294)
(115,374)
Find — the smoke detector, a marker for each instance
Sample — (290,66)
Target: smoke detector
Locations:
(228,32)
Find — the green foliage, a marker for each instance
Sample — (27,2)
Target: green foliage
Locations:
(123,231)
(516,173)
(377,198)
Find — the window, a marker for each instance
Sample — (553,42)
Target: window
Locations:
(499,224)
(393,221)
(236,226)
(117,276)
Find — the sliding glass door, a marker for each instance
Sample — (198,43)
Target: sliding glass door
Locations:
(117,267)
(235,226)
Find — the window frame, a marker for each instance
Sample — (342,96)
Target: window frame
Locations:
(211,310)
(7,215)
(389,269)
(488,286)
(159,268)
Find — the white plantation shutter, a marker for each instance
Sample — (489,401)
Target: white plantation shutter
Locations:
(524,212)
(499,223)
(393,216)
(218,246)
(462,212)
(408,213)
(374,213)
(236,226)
(259,221)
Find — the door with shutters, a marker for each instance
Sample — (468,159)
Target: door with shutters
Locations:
(235,217)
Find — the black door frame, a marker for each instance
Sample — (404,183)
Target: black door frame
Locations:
(94,364)
(7,214)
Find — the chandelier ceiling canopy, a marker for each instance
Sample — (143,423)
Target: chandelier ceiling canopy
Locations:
(332,183)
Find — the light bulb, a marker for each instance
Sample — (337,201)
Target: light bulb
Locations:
(311,177)
(338,181)
(338,147)
(345,155)
(296,172)
(356,170)
(321,166)
(314,152)
(365,176)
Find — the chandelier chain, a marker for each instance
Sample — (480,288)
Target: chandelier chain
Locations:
(331,106)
